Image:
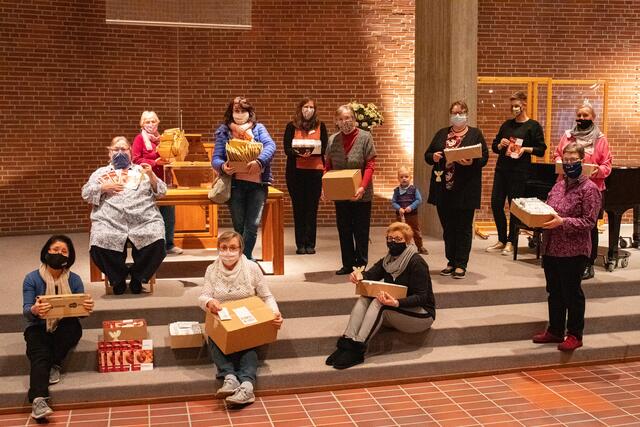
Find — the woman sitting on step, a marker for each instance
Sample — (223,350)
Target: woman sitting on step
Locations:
(232,277)
(49,340)
(402,265)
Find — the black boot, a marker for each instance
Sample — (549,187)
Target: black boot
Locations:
(588,272)
(119,288)
(352,356)
(135,285)
(341,346)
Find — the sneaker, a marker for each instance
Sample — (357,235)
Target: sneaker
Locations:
(496,247)
(40,409)
(447,271)
(229,386)
(570,343)
(423,251)
(301,251)
(546,337)
(459,273)
(176,250)
(54,374)
(310,250)
(508,249)
(243,395)
(588,272)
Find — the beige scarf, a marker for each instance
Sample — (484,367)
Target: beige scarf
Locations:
(148,138)
(62,284)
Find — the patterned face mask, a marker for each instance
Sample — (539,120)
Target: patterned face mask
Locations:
(151,128)
(346,127)
(120,160)
(307,113)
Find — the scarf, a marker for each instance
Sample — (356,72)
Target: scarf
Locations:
(242,131)
(62,284)
(395,265)
(236,279)
(149,138)
(586,138)
(453,141)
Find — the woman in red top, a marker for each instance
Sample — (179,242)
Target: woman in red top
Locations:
(145,150)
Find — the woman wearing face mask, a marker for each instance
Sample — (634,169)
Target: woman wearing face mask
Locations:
(517,140)
(232,277)
(124,196)
(49,340)
(145,150)
(352,148)
(566,247)
(304,172)
(404,266)
(456,187)
(248,189)
(596,152)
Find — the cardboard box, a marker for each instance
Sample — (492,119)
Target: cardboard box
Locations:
(240,167)
(530,220)
(587,168)
(302,146)
(250,325)
(65,305)
(123,330)
(462,153)
(125,356)
(371,288)
(341,184)
(186,335)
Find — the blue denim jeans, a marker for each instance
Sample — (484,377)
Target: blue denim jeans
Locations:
(246,205)
(243,364)
(169,216)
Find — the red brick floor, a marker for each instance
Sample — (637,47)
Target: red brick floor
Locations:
(602,395)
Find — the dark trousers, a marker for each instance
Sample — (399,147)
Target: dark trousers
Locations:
(457,226)
(353,220)
(506,186)
(169,216)
(412,221)
(145,262)
(305,187)
(45,349)
(594,235)
(566,299)
(246,205)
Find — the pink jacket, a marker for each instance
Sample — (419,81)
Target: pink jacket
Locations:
(601,156)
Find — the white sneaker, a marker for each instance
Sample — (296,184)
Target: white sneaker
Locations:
(54,375)
(243,395)
(229,386)
(40,409)
(508,249)
(496,247)
(176,250)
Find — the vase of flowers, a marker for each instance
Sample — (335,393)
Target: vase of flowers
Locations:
(367,117)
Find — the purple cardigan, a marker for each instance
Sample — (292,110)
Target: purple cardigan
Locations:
(578,204)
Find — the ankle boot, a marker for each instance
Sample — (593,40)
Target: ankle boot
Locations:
(341,346)
(352,356)
(588,272)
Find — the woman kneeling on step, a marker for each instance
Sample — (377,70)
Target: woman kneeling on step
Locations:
(232,277)
(402,265)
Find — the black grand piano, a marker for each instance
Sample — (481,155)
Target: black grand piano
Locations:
(622,194)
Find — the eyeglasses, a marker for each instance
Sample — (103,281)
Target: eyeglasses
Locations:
(225,248)
(571,162)
(395,239)
(118,150)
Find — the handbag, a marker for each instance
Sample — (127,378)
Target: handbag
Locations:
(220,191)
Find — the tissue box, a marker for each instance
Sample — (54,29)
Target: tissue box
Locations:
(303,146)
(185,335)
(65,305)
(341,184)
(461,153)
(533,219)
(371,288)
(587,168)
(122,330)
(250,325)
(125,356)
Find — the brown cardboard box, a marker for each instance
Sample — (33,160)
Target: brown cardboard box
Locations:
(122,330)
(462,153)
(341,184)
(236,334)
(65,305)
(531,220)
(587,168)
(240,167)
(370,288)
(191,337)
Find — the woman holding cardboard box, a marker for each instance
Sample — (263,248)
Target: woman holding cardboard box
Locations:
(232,277)
(305,142)
(250,179)
(456,185)
(596,152)
(50,339)
(352,148)
(403,266)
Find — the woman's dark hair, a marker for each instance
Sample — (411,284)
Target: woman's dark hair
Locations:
(59,238)
(244,105)
(299,120)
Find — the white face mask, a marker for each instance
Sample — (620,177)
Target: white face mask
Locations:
(229,257)
(458,120)
(307,113)
(516,111)
(241,118)
(151,128)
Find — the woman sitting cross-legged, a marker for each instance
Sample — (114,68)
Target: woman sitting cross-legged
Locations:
(402,265)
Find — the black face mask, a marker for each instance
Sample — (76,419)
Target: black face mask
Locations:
(584,123)
(396,249)
(56,261)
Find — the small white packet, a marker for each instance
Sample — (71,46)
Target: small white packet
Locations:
(224,314)
(245,316)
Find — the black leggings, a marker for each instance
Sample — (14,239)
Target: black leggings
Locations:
(506,186)
(145,262)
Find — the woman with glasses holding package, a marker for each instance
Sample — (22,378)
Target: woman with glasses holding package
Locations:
(415,313)
(124,196)
(596,152)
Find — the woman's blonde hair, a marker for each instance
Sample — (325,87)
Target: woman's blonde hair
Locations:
(587,107)
(403,228)
(230,235)
(346,108)
(117,139)
(148,115)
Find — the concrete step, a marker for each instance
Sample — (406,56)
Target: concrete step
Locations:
(297,372)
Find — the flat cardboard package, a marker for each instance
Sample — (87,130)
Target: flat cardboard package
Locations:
(250,325)
(587,168)
(462,153)
(370,288)
(122,330)
(529,219)
(341,184)
(65,305)
(125,356)
(240,167)
(185,335)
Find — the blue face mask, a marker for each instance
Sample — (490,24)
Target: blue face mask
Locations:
(120,160)
(572,170)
